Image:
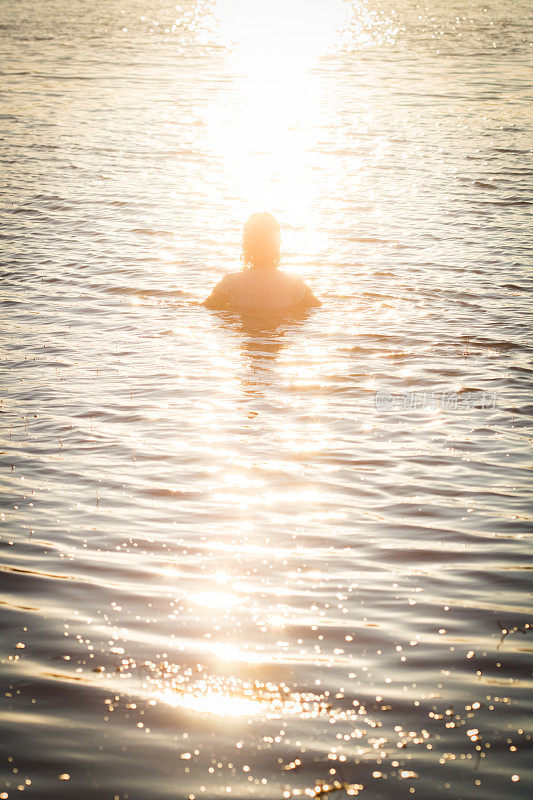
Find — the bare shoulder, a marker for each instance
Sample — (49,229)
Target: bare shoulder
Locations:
(219,297)
(304,294)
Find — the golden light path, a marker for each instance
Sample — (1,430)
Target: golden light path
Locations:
(264,129)
(262,126)
(212,702)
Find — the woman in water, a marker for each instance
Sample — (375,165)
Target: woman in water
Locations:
(261,286)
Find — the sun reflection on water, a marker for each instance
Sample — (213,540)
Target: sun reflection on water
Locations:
(220,600)
(261,124)
(235,697)
(222,705)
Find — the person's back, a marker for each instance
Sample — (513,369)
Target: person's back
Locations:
(271,290)
(261,286)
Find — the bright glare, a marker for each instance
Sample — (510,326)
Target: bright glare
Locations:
(222,705)
(278,39)
(272,48)
(219,600)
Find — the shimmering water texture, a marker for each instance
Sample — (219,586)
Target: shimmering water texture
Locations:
(267,558)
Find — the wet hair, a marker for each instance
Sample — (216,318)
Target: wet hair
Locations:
(261,242)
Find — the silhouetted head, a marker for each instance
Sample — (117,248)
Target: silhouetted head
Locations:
(261,242)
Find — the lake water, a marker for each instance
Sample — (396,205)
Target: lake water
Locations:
(257,558)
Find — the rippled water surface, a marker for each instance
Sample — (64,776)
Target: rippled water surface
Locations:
(250,557)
